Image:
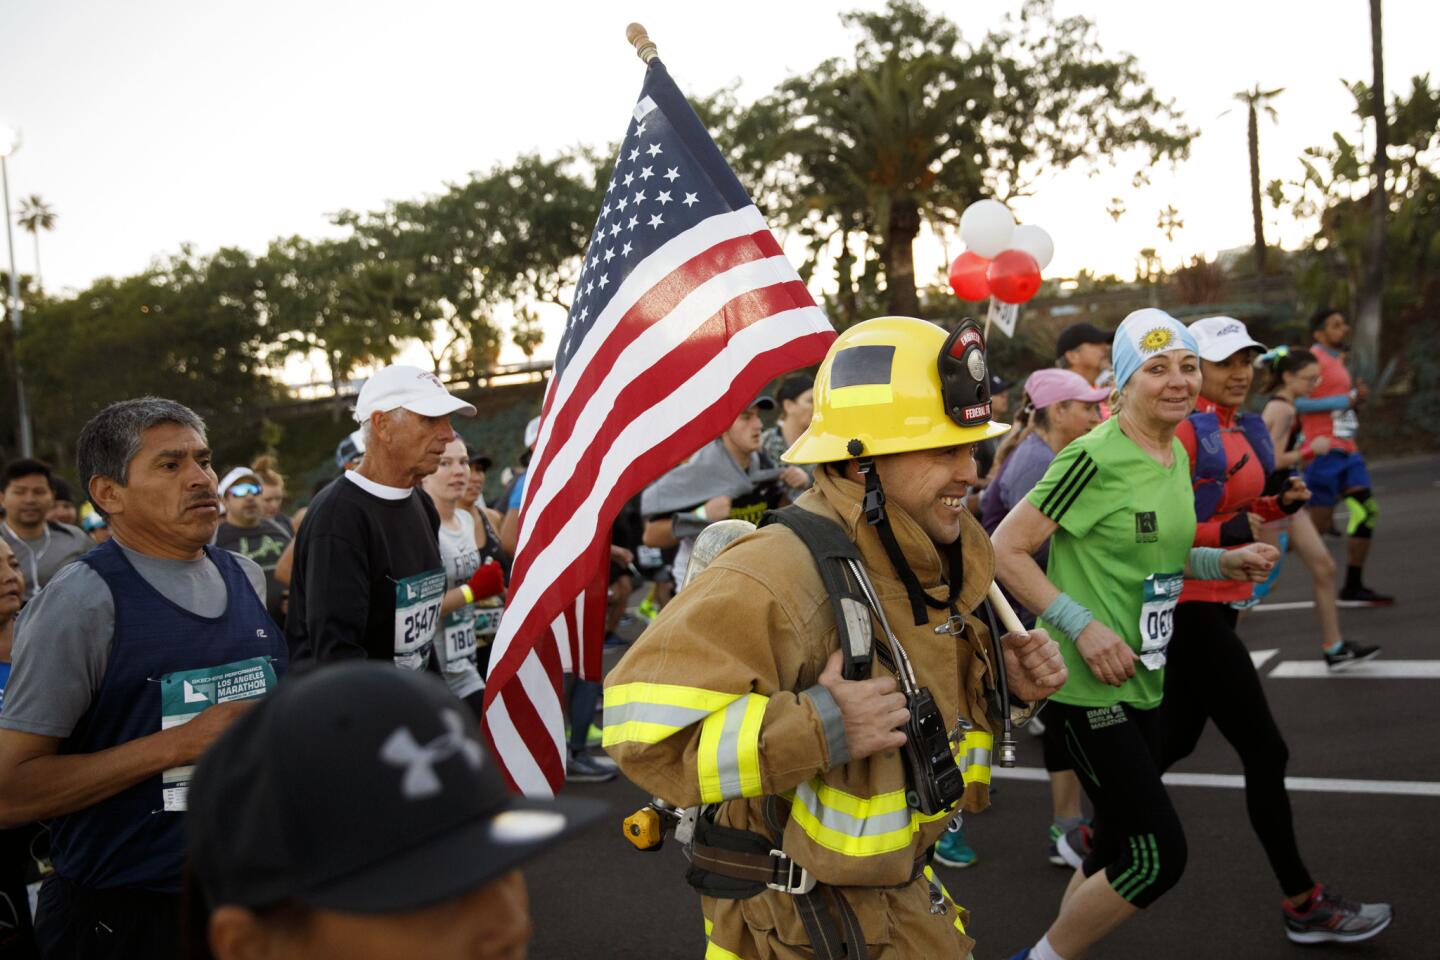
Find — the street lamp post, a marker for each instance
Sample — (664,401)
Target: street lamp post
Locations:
(9,143)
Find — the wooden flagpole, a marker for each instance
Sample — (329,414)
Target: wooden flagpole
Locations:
(645,48)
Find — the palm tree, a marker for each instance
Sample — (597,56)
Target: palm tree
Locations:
(36,215)
(1254,101)
(1366,342)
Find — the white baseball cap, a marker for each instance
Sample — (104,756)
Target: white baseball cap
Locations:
(1222,337)
(418,391)
(532,432)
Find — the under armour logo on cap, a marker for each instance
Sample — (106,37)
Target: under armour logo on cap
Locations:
(401,750)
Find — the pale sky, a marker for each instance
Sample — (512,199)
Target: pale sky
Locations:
(151,123)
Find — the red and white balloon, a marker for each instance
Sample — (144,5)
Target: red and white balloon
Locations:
(1002,259)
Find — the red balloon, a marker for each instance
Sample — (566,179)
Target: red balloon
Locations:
(1014,276)
(967,276)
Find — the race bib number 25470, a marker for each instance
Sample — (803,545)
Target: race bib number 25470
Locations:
(417,616)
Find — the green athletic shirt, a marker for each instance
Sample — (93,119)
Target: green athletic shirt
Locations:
(1122,518)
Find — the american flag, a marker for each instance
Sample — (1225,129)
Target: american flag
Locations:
(685,308)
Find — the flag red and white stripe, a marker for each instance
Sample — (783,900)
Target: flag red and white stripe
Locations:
(684,343)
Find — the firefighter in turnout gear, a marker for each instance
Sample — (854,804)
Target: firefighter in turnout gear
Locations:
(745,700)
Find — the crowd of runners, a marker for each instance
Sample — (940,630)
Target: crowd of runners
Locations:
(196,758)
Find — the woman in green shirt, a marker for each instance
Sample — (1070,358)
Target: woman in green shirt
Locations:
(1117,507)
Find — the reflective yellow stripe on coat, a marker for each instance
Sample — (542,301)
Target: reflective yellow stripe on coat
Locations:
(650,712)
(729,754)
(713,951)
(935,882)
(974,756)
(857,826)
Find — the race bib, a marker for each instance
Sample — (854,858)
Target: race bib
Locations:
(417,617)
(1157,616)
(649,558)
(487,620)
(184,694)
(1345,424)
(458,646)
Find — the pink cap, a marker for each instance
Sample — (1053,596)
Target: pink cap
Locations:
(1053,384)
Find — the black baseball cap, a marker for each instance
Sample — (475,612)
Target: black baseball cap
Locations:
(999,384)
(1080,333)
(360,788)
(763,402)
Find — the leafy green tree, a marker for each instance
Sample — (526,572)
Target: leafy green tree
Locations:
(916,124)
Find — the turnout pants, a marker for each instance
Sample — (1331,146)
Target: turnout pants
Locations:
(899,923)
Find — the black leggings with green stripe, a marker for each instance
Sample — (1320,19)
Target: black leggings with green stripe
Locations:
(1138,840)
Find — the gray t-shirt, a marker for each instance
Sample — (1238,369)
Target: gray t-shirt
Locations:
(63,636)
(41,558)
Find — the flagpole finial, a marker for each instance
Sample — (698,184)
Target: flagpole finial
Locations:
(645,48)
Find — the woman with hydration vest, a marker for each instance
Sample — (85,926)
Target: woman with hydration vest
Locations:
(1209,672)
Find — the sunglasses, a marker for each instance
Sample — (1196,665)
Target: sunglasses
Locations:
(243,490)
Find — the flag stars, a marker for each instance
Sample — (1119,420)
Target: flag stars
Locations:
(622,203)
(690,200)
(604,280)
(634,154)
(614,232)
(584,312)
(656,220)
(672,174)
(639,130)
(664,197)
(605,211)
(610,251)
(647,173)
(640,197)
(634,221)
(625,250)
(654,150)
(629,179)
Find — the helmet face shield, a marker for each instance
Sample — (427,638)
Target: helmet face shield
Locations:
(965,377)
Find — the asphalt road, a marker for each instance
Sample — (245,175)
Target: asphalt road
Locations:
(599,898)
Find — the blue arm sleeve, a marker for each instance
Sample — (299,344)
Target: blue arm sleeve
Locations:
(1338,402)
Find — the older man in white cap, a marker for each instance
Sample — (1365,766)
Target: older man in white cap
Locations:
(368,579)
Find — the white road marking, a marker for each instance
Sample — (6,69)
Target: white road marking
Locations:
(1392,788)
(1261,657)
(1278,607)
(1371,670)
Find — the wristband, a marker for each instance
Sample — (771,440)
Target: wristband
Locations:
(1067,615)
(1205,563)
(467,593)
(700,512)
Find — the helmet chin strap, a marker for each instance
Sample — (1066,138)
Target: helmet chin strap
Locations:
(876,516)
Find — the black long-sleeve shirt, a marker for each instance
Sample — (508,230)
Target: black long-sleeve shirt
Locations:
(367,580)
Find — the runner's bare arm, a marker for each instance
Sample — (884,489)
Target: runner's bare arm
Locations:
(659,533)
(37,783)
(1019,535)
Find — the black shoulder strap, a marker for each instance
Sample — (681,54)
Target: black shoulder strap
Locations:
(830,547)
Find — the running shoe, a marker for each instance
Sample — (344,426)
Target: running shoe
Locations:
(585,769)
(953,851)
(1363,597)
(1350,654)
(613,639)
(1074,846)
(648,609)
(1332,919)
(1052,852)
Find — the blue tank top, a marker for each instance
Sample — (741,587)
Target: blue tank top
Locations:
(127,840)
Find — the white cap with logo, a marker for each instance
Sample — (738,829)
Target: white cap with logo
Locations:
(418,391)
(1222,337)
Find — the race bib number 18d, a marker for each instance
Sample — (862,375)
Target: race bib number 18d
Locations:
(1157,616)
(417,617)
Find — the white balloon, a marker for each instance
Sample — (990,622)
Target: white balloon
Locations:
(986,227)
(1034,241)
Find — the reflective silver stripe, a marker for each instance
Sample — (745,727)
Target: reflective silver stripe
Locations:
(659,713)
(837,748)
(851,826)
(728,759)
(977,756)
